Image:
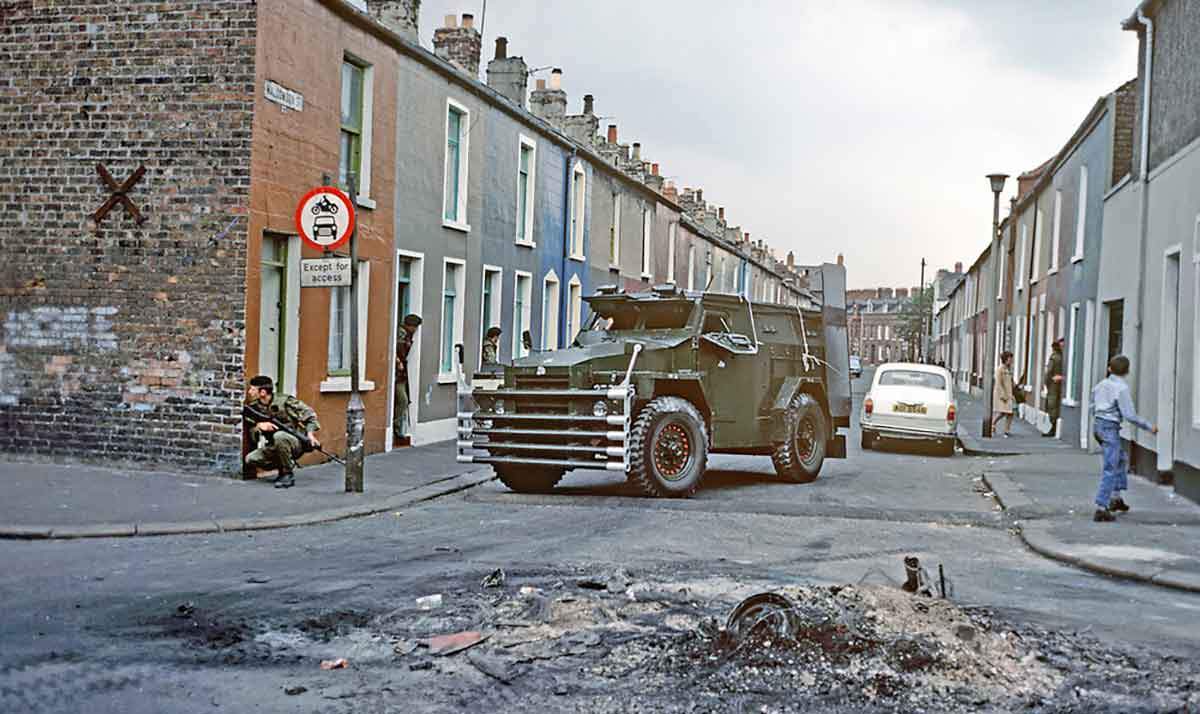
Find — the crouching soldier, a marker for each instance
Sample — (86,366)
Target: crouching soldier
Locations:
(277,449)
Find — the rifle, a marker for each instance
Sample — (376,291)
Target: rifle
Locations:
(305,442)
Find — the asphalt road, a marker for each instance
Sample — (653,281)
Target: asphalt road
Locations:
(97,625)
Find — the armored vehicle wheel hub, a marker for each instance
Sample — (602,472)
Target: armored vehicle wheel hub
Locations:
(671,451)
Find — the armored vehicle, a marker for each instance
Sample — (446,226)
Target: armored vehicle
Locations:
(658,380)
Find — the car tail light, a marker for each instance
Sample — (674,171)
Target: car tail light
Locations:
(951,413)
(868,406)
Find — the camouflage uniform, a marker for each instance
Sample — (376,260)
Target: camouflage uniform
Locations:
(280,449)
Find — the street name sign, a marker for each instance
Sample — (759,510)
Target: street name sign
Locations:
(325,217)
(324,272)
(281,95)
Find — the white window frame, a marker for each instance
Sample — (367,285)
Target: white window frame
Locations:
(1081,216)
(1196,324)
(671,233)
(417,286)
(497,300)
(1056,233)
(1038,226)
(459,223)
(524,142)
(578,198)
(691,267)
(525,311)
(647,265)
(456,337)
(1003,265)
(574,308)
(341,382)
(614,237)
(1068,394)
(1020,269)
(551,298)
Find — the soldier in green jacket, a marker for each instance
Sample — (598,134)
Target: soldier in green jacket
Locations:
(279,450)
(1054,387)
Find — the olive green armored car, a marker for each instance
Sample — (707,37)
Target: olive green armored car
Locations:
(658,380)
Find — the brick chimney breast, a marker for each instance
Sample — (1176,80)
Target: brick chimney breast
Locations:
(459,45)
(550,103)
(508,75)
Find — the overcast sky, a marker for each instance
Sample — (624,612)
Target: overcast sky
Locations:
(860,126)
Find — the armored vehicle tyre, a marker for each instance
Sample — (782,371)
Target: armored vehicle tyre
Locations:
(654,384)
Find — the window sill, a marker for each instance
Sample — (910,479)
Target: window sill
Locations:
(579,258)
(365,202)
(1076,258)
(447,379)
(646,276)
(455,225)
(525,243)
(614,268)
(342,384)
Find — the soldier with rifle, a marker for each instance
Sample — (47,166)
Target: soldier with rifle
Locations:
(287,425)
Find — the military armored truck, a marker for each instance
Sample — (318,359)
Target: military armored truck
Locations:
(658,380)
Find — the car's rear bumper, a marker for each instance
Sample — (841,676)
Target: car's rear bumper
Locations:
(908,433)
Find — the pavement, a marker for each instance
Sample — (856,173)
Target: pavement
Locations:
(1046,488)
(50,500)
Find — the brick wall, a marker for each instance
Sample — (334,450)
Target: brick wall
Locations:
(1124,121)
(124,342)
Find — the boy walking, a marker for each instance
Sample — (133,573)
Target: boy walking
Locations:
(1114,405)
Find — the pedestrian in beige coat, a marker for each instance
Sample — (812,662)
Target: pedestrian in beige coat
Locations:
(1002,396)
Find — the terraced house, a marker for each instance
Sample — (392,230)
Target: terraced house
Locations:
(481,202)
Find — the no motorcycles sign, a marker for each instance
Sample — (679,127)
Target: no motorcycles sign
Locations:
(325,217)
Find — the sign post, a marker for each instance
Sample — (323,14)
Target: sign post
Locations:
(355,418)
(325,220)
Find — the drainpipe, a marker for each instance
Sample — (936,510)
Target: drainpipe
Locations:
(1144,205)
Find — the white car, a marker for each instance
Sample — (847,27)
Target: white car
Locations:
(855,366)
(912,402)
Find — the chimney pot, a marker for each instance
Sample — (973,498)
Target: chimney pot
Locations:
(468,20)
(556,78)
(958,267)
(541,85)
(588,103)
(841,259)
(612,133)
(501,48)
(637,151)
(721,213)
(653,169)
(747,236)
(699,195)
(450,21)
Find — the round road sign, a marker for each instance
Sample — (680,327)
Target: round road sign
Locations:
(325,217)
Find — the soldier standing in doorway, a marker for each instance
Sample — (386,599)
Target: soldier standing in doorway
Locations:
(408,332)
(1054,387)
(491,346)
(279,450)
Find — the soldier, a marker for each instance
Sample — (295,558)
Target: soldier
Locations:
(491,346)
(281,449)
(1054,387)
(400,414)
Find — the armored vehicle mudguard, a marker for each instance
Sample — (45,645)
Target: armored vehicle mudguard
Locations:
(659,380)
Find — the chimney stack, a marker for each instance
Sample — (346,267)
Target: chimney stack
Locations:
(550,103)
(508,75)
(460,46)
(399,16)
(583,127)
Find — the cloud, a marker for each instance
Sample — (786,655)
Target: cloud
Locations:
(863,127)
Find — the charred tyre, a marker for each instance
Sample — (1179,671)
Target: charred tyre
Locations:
(668,448)
(799,458)
(528,479)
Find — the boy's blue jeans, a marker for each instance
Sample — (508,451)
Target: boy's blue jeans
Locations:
(1116,463)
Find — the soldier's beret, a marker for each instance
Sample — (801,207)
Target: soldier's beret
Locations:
(261,380)
(412,320)
(494,332)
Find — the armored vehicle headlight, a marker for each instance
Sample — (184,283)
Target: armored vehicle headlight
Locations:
(498,406)
(600,409)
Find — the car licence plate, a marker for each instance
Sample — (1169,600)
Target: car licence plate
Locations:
(910,409)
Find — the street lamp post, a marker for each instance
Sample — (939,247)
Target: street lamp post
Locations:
(921,307)
(992,299)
